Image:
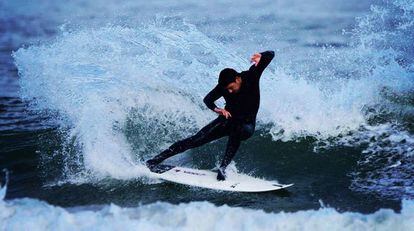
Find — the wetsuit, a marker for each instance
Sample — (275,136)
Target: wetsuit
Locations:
(243,107)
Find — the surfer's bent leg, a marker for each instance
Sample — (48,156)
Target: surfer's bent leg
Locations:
(214,130)
(239,133)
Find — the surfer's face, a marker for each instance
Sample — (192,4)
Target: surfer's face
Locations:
(234,87)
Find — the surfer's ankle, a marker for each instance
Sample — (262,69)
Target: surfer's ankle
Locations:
(221,175)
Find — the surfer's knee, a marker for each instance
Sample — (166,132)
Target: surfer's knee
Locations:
(191,142)
(182,145)
(246,131)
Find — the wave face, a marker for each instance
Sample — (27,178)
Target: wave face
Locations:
(113,87)
(123,92)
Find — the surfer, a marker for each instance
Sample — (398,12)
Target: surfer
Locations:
(236,120)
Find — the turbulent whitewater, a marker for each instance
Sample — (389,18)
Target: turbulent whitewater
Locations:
(91,90)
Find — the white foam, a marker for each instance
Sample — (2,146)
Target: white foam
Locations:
(23,214)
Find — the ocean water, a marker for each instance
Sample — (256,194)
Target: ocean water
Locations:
(89,90)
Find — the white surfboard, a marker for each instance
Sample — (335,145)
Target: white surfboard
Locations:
(207,179)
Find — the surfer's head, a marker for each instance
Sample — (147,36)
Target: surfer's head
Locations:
(230,80)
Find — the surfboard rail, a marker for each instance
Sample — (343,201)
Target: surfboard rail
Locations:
(235,182)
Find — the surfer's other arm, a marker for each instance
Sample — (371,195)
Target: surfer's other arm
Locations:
(261,61)
(211,97)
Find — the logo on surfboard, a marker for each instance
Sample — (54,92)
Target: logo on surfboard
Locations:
(192,173)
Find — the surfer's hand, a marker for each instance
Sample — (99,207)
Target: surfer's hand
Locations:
(222,112)
(255,58)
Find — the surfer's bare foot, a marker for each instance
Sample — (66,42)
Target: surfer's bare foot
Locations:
(221,175)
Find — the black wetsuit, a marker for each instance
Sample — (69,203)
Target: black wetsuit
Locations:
(243,107)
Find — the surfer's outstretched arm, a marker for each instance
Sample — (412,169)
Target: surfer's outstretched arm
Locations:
(261,61)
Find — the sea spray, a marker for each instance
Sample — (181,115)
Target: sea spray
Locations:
(121,74)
